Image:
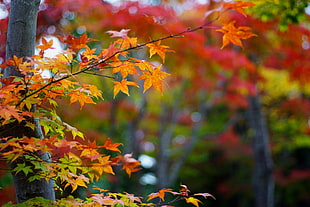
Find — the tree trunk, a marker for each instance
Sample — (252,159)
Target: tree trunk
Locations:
(263,180)
(21,43)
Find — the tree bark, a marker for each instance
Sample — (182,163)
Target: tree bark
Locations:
(263,180)
(21,38)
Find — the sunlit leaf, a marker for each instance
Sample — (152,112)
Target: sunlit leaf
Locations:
(160,194)
(156,48)
(154,78)
(234,34)
(193,201)
(122,86)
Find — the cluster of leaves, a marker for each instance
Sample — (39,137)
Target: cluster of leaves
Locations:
(71,159)
(105,198)
(76,162)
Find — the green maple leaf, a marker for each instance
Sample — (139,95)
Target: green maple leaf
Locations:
(24,168)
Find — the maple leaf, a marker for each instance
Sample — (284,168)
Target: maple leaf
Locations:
(7,112)
(103,166)
(111,146)
(82,98)
(123,86)
(76,42)
(160,194)
(235,34)
(239,6)
(75,132)
(23,167)
(154,78)
(75,181)
(144,65)
(45,45)
(158,49)
(124,68)
(111,51)
(130,164)
(90,151)
(205,195)
(93,90)
(193,201)
(123,33)
(88,54)
(125,41)
(16,61)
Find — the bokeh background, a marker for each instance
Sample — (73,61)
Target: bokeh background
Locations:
(228,120)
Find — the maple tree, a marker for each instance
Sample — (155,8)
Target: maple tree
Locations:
(74,162)
(222,76)
(176,123)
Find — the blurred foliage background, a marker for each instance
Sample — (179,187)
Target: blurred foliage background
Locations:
(197,132)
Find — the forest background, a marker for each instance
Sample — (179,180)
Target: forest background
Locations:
(200,130)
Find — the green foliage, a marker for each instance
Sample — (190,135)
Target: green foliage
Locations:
(286,11)
(34,202)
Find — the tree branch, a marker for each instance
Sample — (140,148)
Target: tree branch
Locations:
(103,60)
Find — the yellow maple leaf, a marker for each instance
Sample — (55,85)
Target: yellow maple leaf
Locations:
(234,34)
(104,166)
(193,201)
(154,77)
(122,86)
(89,53)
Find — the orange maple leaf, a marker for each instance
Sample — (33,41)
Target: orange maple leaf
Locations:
(123,86)
(90,151)
(158,49)
(82,98)
(111,146)
(124,68)
(130,164)
(45,45)
(239,6)
(103,166)
(8,112)
(88,54)
(154,78)
(92,90)
(16,61)
(125,41)
(76,42)
(235,34)
(160,194)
